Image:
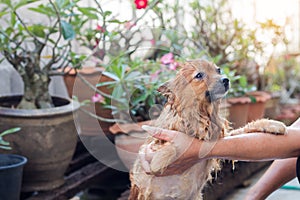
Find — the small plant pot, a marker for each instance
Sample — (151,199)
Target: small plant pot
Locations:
(238,111)
(257,108)
(273,107)
(77,87)
(128,139)
(11,173)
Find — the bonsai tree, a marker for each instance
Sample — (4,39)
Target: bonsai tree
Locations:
(38,49)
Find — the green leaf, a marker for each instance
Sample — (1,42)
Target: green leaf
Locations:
(106,83)
(24,2)
(67,30)
(243,81)
(89,12)
(9,131)
(107,13)
(60,3)
(13,19)
(5,147)
(43,10)
(7,2)
(2,14)
(116,21)
(38,30)
(111,75)
(3,142)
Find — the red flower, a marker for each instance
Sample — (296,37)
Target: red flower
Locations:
(140,4)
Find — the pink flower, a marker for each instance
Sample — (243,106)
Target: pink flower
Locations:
(98,98)
(140,4)
(167,59)
(154,76)
(129,25)
(152,42)
(100,28)
(173,66)
(287,56)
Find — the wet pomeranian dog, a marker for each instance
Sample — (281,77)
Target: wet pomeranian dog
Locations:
(193,99)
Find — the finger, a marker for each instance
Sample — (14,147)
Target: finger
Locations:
(144,162)
(159,133)
(149,154)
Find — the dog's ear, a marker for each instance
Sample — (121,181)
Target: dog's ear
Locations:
(164,88)
(166,91)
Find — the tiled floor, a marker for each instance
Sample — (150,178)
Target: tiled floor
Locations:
(291,191)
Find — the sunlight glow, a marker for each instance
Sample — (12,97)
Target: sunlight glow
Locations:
(281,12)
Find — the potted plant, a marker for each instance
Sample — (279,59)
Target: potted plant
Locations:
(134,99)
(36,50)
(281,80)
(11,169)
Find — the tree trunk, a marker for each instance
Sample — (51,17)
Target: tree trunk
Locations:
(36,92)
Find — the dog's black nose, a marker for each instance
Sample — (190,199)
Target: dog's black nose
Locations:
(225,82)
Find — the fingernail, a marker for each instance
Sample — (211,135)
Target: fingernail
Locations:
(148,128)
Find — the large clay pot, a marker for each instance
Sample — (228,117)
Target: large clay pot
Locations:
(128,139)
(47,138)
(128,145)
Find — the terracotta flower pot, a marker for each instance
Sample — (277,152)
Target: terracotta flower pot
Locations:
(76,87)
(243,109)
(272,108)
(238,111)
(257,108)
(127,146)
(128,139)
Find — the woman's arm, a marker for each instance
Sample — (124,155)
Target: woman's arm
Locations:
(250,146)
(280,172)
(258,146)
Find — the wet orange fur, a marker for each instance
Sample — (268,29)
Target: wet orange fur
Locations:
(187,110)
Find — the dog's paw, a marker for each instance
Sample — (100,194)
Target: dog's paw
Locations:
(276,127)
(236,132)
(162,158)
(262,125)
(266,126)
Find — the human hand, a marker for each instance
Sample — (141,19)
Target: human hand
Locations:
(187,150)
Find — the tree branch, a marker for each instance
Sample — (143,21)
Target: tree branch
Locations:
(53,60)
(24,25)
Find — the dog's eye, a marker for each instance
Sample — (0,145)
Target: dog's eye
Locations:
(219,71)
(200,75)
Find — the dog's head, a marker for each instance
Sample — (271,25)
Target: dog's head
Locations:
(195,92)
(197,80)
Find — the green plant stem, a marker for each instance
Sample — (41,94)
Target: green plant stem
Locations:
(95,88)
(102,118)
(53,59)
